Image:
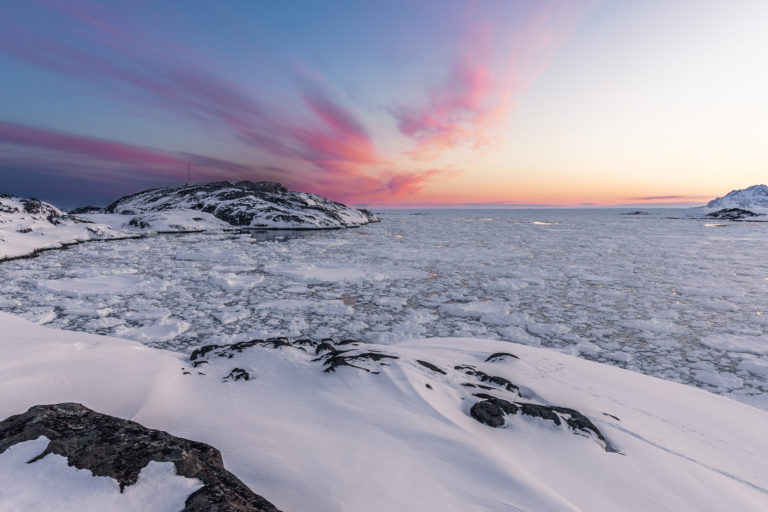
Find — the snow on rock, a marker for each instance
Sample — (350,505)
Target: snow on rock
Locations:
(262,204)
(180,220)
(30,225)
(349,426)
(755,196)
(131,467)
(50,482)
(732,214)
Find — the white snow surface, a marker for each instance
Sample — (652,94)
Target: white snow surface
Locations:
(179,220)
(51,484)
(351,440)
(661,294)
(29,225)
(750,198)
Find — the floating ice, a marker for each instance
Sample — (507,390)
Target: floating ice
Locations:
(649,293)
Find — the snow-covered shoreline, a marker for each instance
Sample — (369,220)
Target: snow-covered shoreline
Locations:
(354,440)
(29,226)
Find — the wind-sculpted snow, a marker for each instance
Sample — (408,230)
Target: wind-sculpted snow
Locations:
(30,225)
(247,204)
(405,435)
(487,408)
(668,297)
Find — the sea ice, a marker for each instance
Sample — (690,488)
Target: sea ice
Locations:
(651,293)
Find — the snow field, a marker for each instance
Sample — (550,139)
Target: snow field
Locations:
(352,440)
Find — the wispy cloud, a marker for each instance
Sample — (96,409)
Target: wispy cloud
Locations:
(484,79)
(670,198)
(73,156)
(333,152)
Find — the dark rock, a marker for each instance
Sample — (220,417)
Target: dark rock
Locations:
(139,223)
(118,448)
(732,214)
(87,209)
(238,374)
(428,386)
(492,410)
(500,356)
(342,359)
(430,366)
(202,351)
(484,377)
(325,347)
(636,212)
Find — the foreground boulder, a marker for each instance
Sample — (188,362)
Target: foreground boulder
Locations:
(118,448)
(263,204)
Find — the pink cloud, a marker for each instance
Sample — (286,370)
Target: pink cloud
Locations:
(488,71)
(113,151)
(333,152)
(76,155)
(338,142)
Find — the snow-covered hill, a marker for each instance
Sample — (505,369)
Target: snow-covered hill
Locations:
(754,197)
(396,430)
(29,225)
(261,204)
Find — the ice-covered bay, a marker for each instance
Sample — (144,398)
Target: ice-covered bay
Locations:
(675,298)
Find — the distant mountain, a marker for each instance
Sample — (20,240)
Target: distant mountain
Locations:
(755,196)
(262,204)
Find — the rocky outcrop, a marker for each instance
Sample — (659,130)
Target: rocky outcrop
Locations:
(491,410)
(118,448)
(263,204)
(87,209)
(732,214)
(13,207)
(29,225)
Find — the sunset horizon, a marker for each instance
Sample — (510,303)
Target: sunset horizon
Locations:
(473,104)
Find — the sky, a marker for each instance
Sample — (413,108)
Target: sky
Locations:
(490,103)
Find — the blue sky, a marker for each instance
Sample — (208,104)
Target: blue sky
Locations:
(390,103)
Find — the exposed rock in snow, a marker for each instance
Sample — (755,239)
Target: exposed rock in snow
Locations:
(404,438)
(120,449)
(490,411)
(732,214)
(262,204)
(755,196)
(87,209)
(29,225)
